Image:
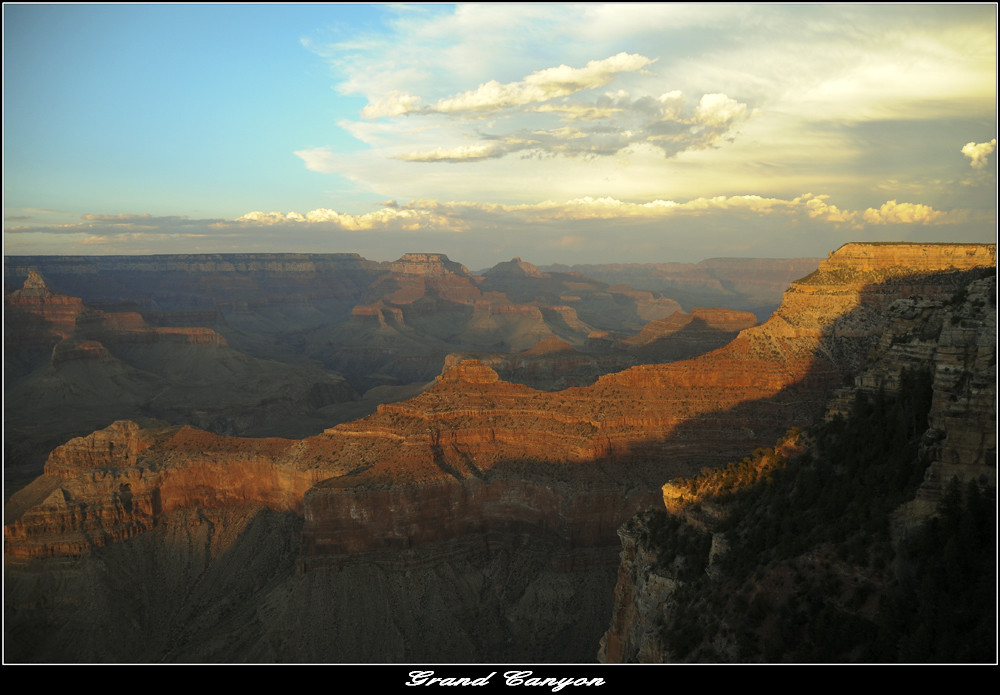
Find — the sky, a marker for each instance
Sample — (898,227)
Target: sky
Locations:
(558,133)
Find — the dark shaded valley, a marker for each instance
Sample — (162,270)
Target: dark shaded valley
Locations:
(325,459)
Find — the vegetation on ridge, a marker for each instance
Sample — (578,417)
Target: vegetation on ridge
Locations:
(811,573)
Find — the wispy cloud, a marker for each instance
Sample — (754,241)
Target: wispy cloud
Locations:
(492,96)
(606,128)
(727,99)
(319,159)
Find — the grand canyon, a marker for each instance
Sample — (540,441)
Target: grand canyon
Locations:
(322,458)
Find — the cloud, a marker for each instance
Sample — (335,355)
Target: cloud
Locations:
(543,85)
(117,225)
(660,101)
(904,213)
(818,209)
(318,159)
(479,233)
(450,215)
(979,152)
(614,121)
(718,110)
(418,215)
(462,216)
(462,153)
(394,103)
(607,127)
(492,96)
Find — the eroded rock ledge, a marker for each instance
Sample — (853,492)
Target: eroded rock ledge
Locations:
(475,454)
(951,336)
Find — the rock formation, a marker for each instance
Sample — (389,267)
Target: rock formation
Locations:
(474,463)
(71,368)
(943,325)
(281,344)
(748,284)
(653,420)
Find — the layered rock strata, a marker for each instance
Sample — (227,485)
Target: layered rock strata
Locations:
(955,339)
(71,368)
(944,325)
(474,454)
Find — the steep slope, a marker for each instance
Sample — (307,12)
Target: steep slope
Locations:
(614,306)
(378,323)
(428,307)
(71,368)
(628,429)
(554,364)
(822,561)
(255,344)
(470,478)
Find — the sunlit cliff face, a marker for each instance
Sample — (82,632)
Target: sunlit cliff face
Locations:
(447,448)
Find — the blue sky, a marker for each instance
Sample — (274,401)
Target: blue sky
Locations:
(557,132)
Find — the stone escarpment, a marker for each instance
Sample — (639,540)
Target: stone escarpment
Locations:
(39,318)
(555,364)
(842,573)
(378,324)
(460,443)
(954,338)
(428,306)
(473,472)
(71,368)
(120,481)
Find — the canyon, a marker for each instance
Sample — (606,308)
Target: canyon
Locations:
(480,509)
(289,344)
(902,452)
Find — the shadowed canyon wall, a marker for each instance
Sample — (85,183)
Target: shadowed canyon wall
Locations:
(470,481)
(813,595)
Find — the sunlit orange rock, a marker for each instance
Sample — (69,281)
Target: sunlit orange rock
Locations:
(477,455)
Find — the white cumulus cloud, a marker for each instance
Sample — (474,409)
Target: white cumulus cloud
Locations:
(892,212)
(718,110)
(979,152)
(394,103)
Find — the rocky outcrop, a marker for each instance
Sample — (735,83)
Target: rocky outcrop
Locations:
(515,267)
(549,346)
(955,339)
(35,320)
(629,430)
(62,316)
(927,309)
(427,265)
(71,368)
(475,472)
(682,335)
(120,481)
(641,592)
(59,311)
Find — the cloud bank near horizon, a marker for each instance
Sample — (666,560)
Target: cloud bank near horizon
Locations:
(671,130)
(482,234)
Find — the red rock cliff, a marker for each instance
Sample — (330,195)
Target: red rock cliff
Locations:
(474,454)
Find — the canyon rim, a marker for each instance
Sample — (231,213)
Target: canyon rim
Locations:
(480,510)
